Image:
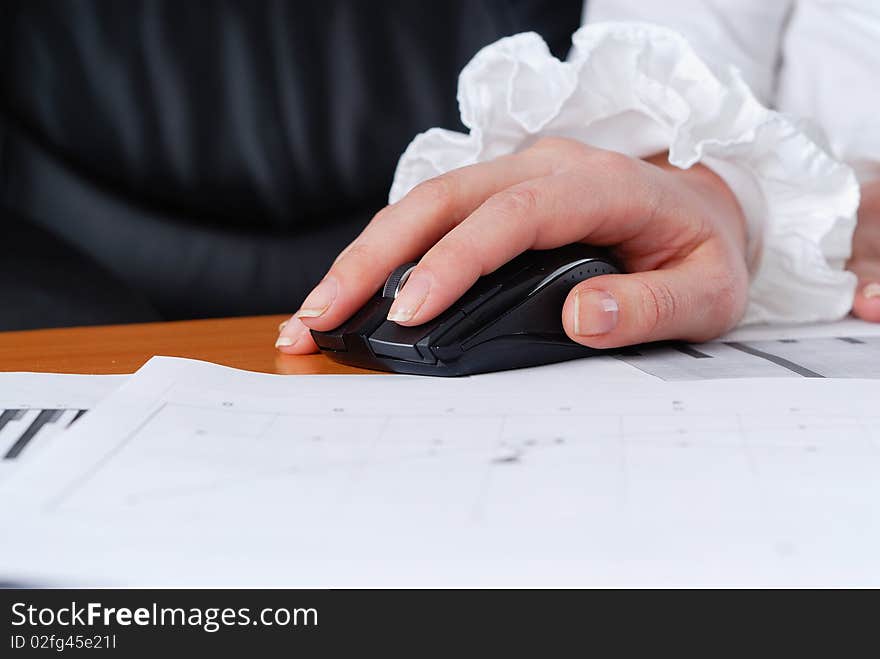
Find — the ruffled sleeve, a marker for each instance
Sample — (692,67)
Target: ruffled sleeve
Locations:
(640,89)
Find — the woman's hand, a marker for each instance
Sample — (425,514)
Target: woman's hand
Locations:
(865,261)
(679,232)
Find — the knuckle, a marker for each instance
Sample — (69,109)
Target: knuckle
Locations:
(656,197)
(357,252)
(729,300)
(549,143)
(659,306)
(726,302)
(560,151)
(519,202)
(438,192)
(613,161)
(383,215)
(698,231)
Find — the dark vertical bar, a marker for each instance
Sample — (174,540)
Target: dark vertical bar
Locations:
(76,417)
(9,415)
(690,351)
(779,361)
(43,418)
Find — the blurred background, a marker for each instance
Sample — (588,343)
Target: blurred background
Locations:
(164,160)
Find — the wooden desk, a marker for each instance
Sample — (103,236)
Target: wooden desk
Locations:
(246,343)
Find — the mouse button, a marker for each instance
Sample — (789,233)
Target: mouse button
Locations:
(496,302)
(511,272)
(539,315)
(369,317)
(525,280)
(394,347)
(332,340)
(364,321)
(444,332)
(479,317)
(399,342)
(476,301)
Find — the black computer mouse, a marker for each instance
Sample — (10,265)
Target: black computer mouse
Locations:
(510,318)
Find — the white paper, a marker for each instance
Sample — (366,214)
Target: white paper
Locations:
(846,349)
(838,357)
(196,474)
(849,326)
(35,407)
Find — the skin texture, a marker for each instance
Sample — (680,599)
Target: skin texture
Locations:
(680,232)
(865,261)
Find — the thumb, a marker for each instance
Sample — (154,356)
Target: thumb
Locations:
(682,302)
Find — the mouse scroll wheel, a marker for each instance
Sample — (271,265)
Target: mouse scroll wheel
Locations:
(396,280)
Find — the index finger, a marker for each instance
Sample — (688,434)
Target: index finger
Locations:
(404,231)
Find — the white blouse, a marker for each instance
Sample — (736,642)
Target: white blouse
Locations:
(701,90)
(816,59)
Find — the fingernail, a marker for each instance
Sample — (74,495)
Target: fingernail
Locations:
(292,334)
(319,300)
(595,312)
(871,290)
(412,296)
(281,326)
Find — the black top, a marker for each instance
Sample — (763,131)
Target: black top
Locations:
(185,159)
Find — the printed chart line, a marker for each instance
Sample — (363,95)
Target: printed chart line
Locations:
(779,361)
(44,418)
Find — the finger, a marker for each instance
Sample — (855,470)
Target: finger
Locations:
(611,206)
(404,231)
(866,304)
(866,266)
(294,338)
(698,299)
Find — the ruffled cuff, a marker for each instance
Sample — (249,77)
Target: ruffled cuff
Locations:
(640,89)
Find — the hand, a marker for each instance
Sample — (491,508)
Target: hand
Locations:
(865,261)
(679,232)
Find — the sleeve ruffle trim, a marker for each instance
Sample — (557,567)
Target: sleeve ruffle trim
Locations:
(641,89)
